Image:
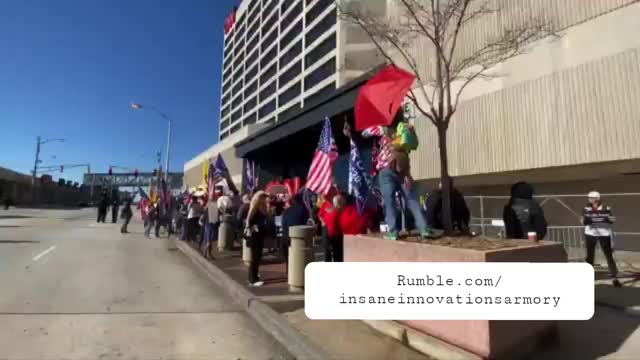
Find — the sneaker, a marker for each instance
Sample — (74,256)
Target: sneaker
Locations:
(391,236)
(257,283)
(427,235)
(617,283)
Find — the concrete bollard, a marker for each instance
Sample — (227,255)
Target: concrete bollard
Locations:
(300,254)
(226,233)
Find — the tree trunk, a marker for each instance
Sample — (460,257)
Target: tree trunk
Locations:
(444,180)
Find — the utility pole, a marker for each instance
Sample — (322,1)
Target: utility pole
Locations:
(35,165)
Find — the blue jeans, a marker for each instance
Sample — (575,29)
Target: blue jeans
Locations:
(390,183)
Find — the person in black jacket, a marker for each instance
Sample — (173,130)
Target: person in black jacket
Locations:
(103,204)
(522,214)
(126,214)
(115,206)
(460,215)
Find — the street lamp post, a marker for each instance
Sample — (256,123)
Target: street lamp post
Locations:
(137,106)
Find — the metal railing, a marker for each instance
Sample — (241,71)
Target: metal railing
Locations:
(563,213)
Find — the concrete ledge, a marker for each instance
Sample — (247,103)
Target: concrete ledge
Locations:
(421,342)
(272,322)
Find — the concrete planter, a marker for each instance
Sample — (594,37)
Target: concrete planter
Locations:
(487,339)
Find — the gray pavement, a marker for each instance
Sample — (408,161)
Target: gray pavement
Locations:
(73,289)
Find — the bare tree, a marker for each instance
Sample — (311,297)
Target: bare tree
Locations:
(424,37)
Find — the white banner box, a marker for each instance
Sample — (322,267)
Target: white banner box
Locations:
(449,291)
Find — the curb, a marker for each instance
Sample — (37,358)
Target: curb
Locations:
(293,340)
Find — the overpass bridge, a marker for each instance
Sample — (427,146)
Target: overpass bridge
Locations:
(131,179)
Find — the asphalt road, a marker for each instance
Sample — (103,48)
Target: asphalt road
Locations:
(73,289)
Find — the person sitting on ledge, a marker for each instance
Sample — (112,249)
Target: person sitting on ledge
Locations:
(460,215)
(522,214)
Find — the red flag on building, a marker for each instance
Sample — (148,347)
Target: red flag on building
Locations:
(230,22)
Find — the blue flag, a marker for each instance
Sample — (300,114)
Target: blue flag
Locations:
(142,193)
(220,168)
(251,175)
(358,186)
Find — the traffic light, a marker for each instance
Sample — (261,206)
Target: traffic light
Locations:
(110,170)
(61,168)
(136,173)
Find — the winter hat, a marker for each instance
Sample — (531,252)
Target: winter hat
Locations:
(594,195)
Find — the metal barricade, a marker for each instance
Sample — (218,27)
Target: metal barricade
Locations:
(563,213)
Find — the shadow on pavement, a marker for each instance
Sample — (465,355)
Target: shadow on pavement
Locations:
(605,334)
(18,241)
(287,306)
(9,217)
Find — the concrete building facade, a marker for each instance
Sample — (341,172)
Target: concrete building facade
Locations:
(563,116)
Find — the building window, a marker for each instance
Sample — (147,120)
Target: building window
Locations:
(269,57)
(252,6)
(235,128)
(268,91)
(290,74)
(319,74)
(251,59)
(237,88)
(291,54)
(237,102)
(227,74)
(224,112)
(270,73)
(320,28)
(240,45)
(240,21)
(251,89)
(238,74)
(269,24)
(226,87)
(285,5)
(270,121)
(289,94)
(227,63)
(290,112)
(224,135)
(287,20)
(321,50)
(267,109)
(236,115)
(317,9)
(251,119)
(292,34)
(269,40)
(321,94)
(238,60)
(224,124)
(225,99)
(254,29)
(250,105)
(269,5)
(251,74)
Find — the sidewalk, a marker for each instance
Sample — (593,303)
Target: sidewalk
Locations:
(611,334)
(338,339)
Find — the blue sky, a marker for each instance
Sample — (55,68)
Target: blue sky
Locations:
(71,68)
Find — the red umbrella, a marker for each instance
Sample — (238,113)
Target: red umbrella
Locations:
(381,97)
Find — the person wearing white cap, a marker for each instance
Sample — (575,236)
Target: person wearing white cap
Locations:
(598,220)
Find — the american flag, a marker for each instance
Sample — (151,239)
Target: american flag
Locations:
(320,177)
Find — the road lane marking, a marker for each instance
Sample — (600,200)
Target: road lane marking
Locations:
(37,257)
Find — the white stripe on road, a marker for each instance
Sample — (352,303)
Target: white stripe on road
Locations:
(37,257)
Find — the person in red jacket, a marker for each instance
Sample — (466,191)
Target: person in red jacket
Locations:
(332,239)
(350,220)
